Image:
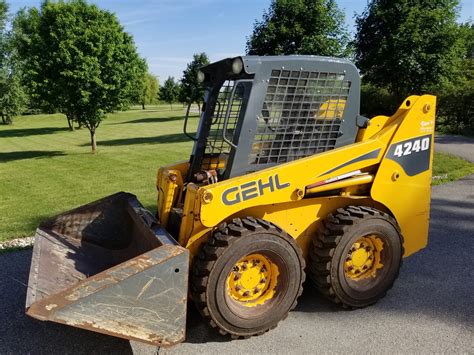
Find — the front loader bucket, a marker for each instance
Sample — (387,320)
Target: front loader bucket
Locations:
(110,268)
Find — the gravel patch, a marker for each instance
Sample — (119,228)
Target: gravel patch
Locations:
(18,243)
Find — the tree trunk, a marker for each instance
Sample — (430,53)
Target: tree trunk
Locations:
(6,119)
(199,106)
(143,105)
(70,121)
(93,141)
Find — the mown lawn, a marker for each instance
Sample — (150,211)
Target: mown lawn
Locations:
(46,169)
(448,168)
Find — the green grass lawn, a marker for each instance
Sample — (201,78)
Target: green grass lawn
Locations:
(46,169)
(448,168)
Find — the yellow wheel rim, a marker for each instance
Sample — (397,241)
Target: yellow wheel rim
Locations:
(364,258)
(253,280)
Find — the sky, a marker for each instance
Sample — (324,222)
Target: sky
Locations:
(168,32)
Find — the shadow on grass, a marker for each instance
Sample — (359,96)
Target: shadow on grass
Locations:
(167,138)
(24,132)
(29,154)
(153,120)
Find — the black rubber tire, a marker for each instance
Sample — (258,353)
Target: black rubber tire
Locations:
(212,265)
(331,246)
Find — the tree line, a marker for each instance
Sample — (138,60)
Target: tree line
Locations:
(75,58)
(401,47)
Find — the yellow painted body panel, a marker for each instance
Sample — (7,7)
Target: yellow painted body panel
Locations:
(298,174)
(408,197)
(169,183)
(280,194)
(331,109)
(374,126)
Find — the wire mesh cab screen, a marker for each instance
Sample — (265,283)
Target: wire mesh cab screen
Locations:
(301,115)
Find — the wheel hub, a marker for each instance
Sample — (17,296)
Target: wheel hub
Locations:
(252,280)
(364,258)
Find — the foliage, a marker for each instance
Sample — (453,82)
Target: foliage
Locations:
(376,101)
(456,101)
(13,99)
(169,92)
(150,91)
(409,47)
(191,90)
(78,60)
(3,14)
(300,27)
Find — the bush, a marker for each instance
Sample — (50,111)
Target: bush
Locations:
(377,101)
(456,104)
(456,110)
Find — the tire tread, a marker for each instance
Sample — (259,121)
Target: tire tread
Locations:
(325,242)
(224,236)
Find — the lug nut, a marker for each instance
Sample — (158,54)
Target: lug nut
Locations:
(238,288)
(262,281)
(246,293)
(237,277)
(255,291)
(350,268)
(364,267)
(235,268)
(357,271)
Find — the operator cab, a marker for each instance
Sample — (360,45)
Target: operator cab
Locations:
(264,111)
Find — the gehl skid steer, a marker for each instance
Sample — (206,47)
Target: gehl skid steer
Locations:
(285,179)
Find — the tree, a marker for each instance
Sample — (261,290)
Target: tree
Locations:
(191,89)
(150,90)
(169,92)
(409,46)
(13,99)
(78,60)
(456,101)
(300,27)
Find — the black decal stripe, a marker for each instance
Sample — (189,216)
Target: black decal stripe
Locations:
(370,155)
(415,162)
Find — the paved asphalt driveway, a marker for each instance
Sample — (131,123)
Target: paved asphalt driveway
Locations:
(430,309)
(457,145)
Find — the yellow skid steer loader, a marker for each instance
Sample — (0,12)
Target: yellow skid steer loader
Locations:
(285,179)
